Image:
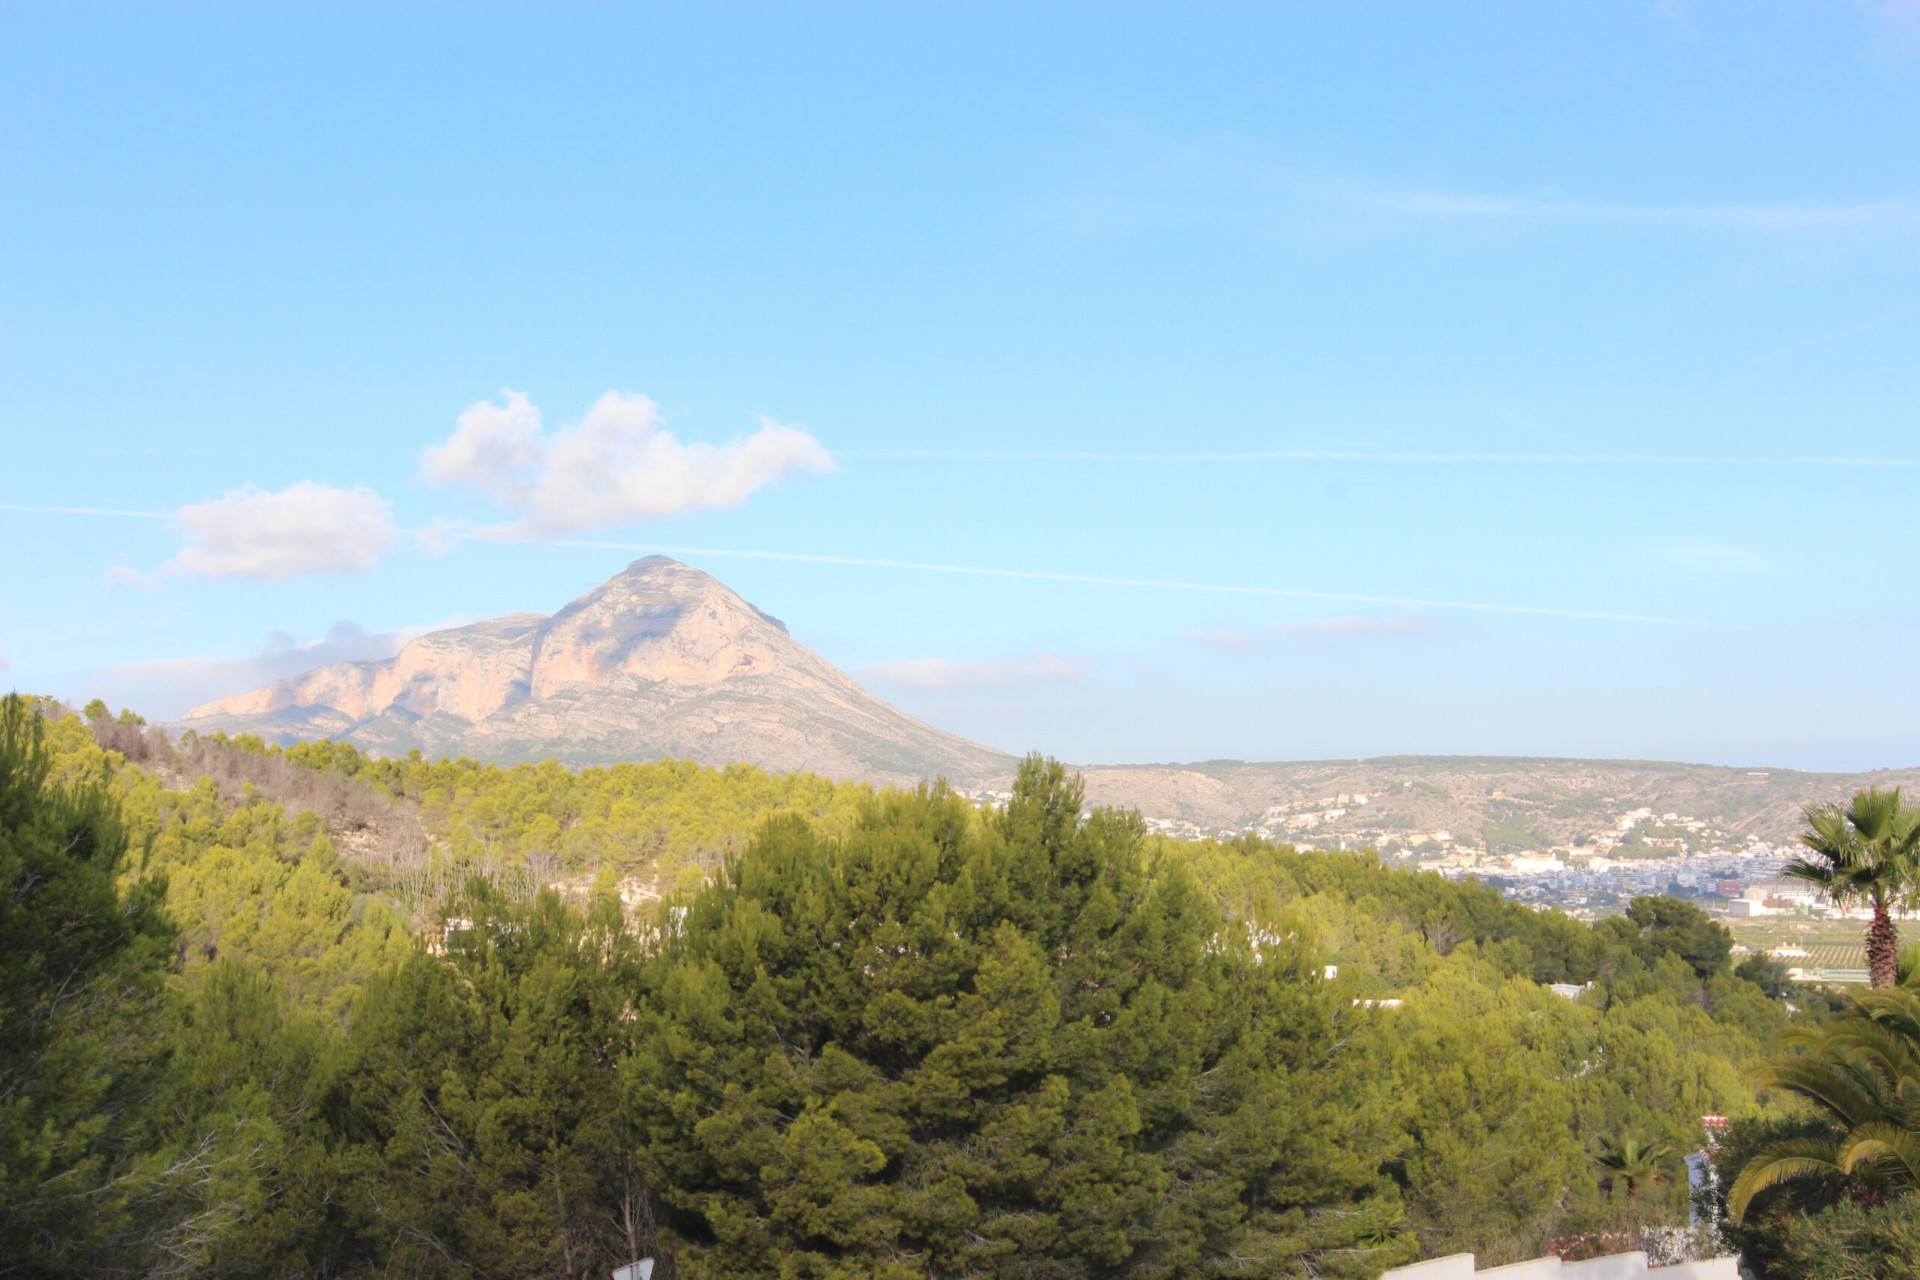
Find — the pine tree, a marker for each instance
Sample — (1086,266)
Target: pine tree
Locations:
(484,1100)
(942,1047)
(80,964)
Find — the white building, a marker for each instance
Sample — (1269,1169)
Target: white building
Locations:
(1617,1266)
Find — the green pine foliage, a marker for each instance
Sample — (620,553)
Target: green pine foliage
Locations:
(1024,1049)
(302,1012)
(253,883)
(483,1103)
(1507,1093)
(246,1111)
(81,956)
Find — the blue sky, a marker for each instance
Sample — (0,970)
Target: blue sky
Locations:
(1287,381)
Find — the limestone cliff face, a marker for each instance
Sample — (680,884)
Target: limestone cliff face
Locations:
(662,660)
(661,622)
(469,672)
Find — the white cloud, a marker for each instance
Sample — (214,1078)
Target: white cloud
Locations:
(1788,217)
(115,513)
(1675,15)
(1226,640)
(1704,555)
(1898,37)
(1142,179)
(131,577)
(944,673)
(617,465)
(5,663)
(1353,625)
(1402,457)
(164,688)
(303,529)
(493,447)
(439,537)
(1231,641)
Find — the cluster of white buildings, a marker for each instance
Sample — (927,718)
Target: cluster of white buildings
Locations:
(1282,820)
(1618,1266)
(1774,898)
(1783,897)
(1581,870)
(1636,852)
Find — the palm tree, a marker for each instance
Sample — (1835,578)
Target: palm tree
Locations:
(1865,851)
(1632,1160)
(1863,1071)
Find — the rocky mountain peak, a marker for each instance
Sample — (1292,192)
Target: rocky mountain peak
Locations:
(659,620)
(660,659)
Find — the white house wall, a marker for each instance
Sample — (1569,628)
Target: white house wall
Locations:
(1617,1266)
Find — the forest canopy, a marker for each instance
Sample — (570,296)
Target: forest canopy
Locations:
(348,1016)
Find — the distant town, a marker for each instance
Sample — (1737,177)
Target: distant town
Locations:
(1622,852)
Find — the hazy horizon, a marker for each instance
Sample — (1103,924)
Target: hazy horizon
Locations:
(1133,384)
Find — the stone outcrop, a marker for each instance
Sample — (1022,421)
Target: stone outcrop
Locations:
(661,660)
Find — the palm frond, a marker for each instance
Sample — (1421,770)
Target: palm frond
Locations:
(1877,1054)
(1882,1145)
(1877,815)
(1820,873)
(1829,1083)
(1895,1007)
(1778,1163)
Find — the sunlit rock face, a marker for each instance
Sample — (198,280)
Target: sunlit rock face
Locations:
(661,660)
(660,621)
(469,672)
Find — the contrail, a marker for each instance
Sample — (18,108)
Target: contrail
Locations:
(84,511)
(1154,584)
(1351,455)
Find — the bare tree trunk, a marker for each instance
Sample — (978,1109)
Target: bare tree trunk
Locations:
(1883,947)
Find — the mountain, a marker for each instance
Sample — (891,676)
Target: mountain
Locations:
(664,660)
(660,660)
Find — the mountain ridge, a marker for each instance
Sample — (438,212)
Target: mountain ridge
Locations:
(660,660)
(1478,800)
(665,660)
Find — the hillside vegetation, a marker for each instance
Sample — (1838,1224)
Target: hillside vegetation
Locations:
(354,1017)
(1515,802)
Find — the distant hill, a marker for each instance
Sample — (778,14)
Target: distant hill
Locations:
(1497,801)
(661,660)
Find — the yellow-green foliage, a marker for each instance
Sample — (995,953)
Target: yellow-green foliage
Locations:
(76,758)
(662,818)
(1507,1091)
(252,884)
(245,882)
